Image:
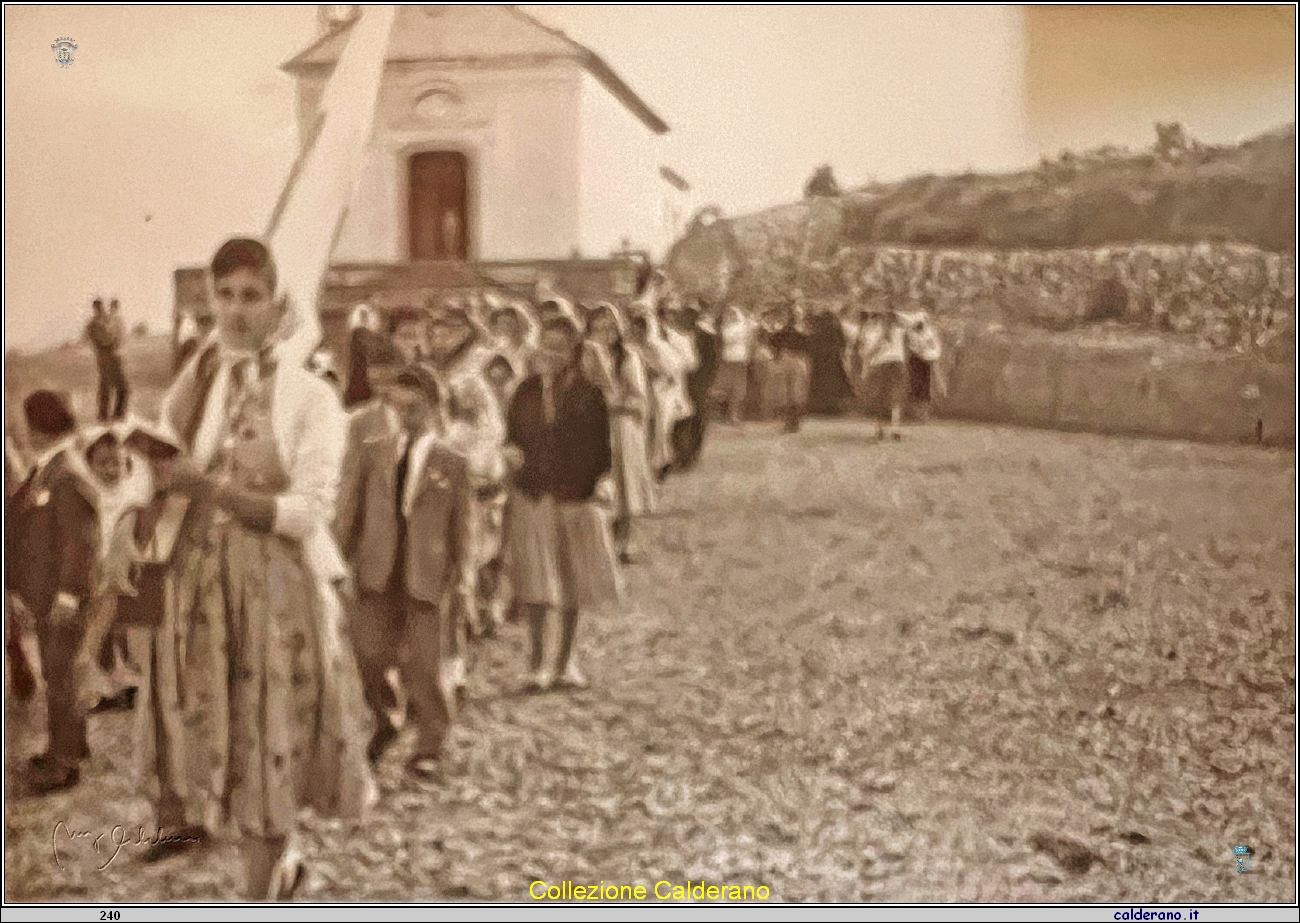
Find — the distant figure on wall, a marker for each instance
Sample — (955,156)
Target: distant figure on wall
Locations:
(106,332)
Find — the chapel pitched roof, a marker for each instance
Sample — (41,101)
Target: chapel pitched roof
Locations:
(476,34)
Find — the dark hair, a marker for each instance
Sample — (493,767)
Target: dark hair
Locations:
(570,327)
(451,317)
(105,439)
(47,413)
(421,379)
(150,445)
(618,352)
(243,253)
(561,322)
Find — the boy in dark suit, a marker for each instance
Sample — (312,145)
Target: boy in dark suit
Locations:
(52,537)
(405,526)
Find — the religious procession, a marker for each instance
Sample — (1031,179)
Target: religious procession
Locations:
(464,513)
(317,548)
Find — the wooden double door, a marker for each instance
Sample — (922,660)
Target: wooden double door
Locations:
(439,205)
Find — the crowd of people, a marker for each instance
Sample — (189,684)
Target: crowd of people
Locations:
(293,560)
(1224,296)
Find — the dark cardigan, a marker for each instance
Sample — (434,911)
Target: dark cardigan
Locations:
(568,456)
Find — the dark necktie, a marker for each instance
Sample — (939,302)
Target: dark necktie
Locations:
(399,566)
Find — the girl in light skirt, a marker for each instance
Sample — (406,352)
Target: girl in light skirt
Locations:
(618,370)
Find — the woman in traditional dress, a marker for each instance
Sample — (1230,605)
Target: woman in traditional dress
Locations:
(254,707)
(618,370)
(675,357)
(638,341)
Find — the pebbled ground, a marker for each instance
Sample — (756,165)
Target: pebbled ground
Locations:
(981,664)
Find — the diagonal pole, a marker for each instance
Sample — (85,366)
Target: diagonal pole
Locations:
(308,217)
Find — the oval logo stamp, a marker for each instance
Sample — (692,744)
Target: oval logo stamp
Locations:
(65,51)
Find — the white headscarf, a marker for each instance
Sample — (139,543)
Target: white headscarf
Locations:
(363,316)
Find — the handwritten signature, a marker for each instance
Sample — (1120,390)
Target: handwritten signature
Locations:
(116,839)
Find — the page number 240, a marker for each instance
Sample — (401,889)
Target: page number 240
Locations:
(114,915)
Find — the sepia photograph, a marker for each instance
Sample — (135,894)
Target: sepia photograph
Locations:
(663,456)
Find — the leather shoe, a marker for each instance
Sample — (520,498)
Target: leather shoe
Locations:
(123,701)
(174,843)
(380,741)
(541,681)
(46,762)
(288,875)
(573,678)
(424,767)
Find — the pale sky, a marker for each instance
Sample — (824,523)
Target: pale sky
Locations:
(182,114)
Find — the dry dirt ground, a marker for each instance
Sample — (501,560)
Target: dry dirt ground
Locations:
(980,664)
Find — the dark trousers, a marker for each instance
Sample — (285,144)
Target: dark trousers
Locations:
(688,436)
(67,721)
(20,671)
(113,391)
(918,380)
(392,630)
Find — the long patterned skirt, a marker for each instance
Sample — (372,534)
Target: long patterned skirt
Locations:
(242,725)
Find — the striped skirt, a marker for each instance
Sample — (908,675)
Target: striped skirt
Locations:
(560,554)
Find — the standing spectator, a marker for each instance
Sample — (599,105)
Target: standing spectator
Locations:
(51,540)
(638,341)
(688,436)
(789,370)
(116,322)
(105,335)
(880,370)
(757,399)
(737,333)
(828,385)
(620,374)
(670,336)
(558,541)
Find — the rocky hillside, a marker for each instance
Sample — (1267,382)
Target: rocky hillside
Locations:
(1176,192)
